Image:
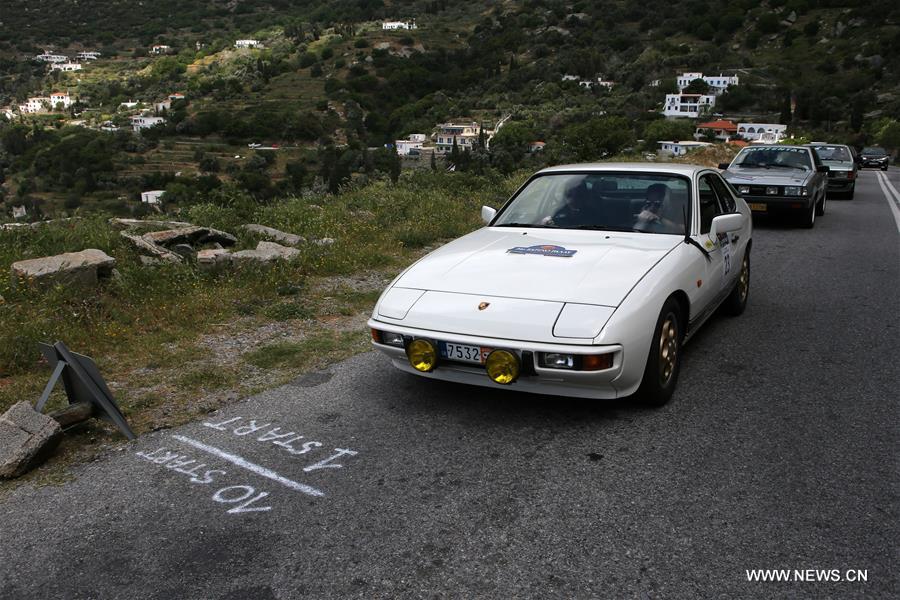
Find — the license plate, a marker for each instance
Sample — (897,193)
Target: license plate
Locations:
(757,206)
(463,352)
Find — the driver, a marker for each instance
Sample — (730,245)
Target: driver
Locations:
(577,210)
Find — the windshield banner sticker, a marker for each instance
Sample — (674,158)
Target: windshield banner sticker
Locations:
(543,250)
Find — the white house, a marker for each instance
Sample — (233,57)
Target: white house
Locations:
(414,141)
(247,44)
(139,122)
(679,148)
(160,49)
(51,58)
(19,212)
(88,55)
(466,136)
(536,146)
(163,105)
(108,126)
(57,98)
(688,105)
(392,25)
(763,132)
(569,78)
(66,66)
(176,96)
(36,104)
(152,196)
(655,83)
(129,104)
(717,83)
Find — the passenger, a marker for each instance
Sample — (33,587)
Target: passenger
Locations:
(660,212)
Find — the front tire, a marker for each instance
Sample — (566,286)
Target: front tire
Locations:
(664,360)
(736,301)
(808,220)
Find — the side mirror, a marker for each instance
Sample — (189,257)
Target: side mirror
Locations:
(823,169)
(726,223)
(488,214)
(724,166)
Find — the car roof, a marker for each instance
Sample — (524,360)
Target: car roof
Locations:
(778,146)
(635,167)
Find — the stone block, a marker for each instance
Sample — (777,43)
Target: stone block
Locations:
(71,268)
(27,437)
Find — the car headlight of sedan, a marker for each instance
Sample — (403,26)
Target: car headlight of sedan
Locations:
(792,190)
(743,189)
(772,190)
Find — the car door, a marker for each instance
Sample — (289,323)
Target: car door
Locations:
(820,179)
(718,272)
(731,243)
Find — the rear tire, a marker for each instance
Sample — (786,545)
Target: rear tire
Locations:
(736,301)
(664,360)
(852,192)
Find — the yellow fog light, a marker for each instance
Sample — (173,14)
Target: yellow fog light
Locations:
(502,366)
(422,355)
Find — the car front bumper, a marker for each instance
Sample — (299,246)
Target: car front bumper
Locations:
(766,204)
(604,384)
(873,163)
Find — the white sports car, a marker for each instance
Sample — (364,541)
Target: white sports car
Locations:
(585,283)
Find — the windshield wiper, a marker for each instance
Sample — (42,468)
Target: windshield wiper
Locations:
(525,225)
(748,165)
(608,228)
(779,166)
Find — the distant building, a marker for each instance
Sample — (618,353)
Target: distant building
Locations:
(129,104)
(88,55)
(678,148)
(51,58)
(34,105)
(414,141)
(139,122)
(536,146)
(163,105)
(721,129)
(466,135)
(176,96)
(19,212)
(152,196)
(247,44)
(392,25)
(57,98)
(160,49)
(767,133)
(569,78)
(655,83)
(717,83)
(688,105)
(108,126)
(66,66)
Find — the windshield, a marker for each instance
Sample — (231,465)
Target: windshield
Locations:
(835,153)
(769,157)
(608,201)
(874,150)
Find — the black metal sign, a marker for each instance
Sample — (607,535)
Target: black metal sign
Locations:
(83,383)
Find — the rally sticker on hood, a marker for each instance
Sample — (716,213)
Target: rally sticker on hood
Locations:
(543,250)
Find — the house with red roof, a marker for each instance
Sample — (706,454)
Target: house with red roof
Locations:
(721,129)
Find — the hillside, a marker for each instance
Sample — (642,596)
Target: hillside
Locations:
(329,87)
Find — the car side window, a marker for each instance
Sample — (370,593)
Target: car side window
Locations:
(724,192)
(709,203)
(817,162)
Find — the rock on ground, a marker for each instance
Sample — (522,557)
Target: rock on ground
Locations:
(72,267)
(265,252)
(189,235)
(274,234)
(26,438)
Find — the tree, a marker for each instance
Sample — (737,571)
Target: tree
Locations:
(889,135)
(597,137)
(667,130)
(697,86)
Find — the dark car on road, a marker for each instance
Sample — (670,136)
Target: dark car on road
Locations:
(873,156)
(842,170)
(777,179)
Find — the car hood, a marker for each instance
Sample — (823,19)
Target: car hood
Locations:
(763,176)
(532,264)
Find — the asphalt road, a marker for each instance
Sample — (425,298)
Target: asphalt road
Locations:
(779,450)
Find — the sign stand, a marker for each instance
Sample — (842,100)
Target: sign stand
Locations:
(83,383)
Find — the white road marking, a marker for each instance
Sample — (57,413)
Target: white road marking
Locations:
(891,195)
(252,467)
